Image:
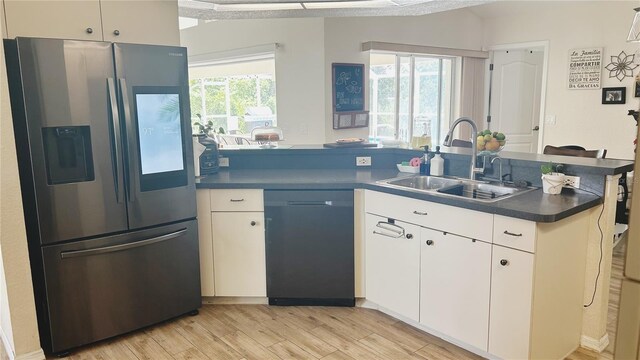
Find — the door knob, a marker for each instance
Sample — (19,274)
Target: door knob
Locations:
(429,242)
(504,262)
(89,31)
(536,128)
(116,32)
(253,223)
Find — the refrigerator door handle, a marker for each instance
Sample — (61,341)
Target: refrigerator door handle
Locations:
(121,247)
(130,132)
(115,123)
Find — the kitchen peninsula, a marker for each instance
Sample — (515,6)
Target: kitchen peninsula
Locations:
(496,258)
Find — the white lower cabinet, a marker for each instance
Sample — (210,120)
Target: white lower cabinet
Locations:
(511,303)
(392,257)
(239,253)
(454,286)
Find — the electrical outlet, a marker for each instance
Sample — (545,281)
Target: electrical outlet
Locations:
(363,160)
(572,181)
(223,162)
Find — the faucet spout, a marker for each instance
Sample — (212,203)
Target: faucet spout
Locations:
(474,144)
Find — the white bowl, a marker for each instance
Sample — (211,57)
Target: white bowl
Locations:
(408,169)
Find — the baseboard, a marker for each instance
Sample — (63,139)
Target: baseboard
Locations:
(34,355)
(595,344)
(235,300)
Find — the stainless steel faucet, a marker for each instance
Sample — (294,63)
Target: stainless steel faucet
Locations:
(474,144)
(498,158)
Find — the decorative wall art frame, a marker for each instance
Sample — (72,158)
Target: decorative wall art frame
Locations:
(621,66)
(614,95)
(348,92)
(585,68)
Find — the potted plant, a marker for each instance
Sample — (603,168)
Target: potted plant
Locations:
(552,179)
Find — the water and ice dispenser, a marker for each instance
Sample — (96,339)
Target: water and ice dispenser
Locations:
(68,156)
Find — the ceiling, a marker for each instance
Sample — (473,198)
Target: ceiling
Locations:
(248,9)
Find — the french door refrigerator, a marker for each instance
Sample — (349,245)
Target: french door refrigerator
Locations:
(106,167)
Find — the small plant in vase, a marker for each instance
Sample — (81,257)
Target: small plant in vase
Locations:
(552,179)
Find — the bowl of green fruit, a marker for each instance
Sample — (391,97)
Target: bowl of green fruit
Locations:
(490,143)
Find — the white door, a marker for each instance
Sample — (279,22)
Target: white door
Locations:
(392,265)
(511,296)
(515,97)
(454,291)
(239,254)
(121,21)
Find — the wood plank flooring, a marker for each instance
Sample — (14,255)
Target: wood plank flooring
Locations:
(257,332)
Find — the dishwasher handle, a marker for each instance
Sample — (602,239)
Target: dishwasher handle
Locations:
(310,203)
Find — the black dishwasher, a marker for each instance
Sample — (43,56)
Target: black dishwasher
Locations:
(309,249)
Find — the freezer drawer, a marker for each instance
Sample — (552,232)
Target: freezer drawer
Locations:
(108,286)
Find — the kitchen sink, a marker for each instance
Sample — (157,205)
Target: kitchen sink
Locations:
(461,188)
(423,182)
(482,192)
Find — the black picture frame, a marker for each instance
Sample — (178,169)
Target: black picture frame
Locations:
(636,89)
(614,95)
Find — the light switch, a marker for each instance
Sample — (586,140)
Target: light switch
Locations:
(550,120)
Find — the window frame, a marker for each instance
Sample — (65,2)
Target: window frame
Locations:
(454,80)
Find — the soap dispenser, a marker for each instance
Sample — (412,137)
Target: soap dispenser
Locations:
(425,164)
(437,163)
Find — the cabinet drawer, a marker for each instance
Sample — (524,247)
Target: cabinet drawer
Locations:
(514,233)
(237,200)
(464,222)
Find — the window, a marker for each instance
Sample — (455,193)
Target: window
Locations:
(236,95)
(410,97)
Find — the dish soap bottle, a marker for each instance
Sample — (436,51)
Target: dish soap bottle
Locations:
(425,165)
(437,164)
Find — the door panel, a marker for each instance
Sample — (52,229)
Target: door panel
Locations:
(511,296)
(72,124)
(108,286)
(392,263)
(155,107)
(515,104)
(121,21)
(455,282)
(239,253)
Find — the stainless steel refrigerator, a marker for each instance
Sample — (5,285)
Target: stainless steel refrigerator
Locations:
(106,168)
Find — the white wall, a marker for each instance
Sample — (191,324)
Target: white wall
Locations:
(299,66)
(18,324)
(344,37)
(580,117)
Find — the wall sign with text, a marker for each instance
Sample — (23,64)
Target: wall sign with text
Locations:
(585,68)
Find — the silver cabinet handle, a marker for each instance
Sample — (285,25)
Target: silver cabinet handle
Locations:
(121,247)
(420,212)
(116,32)
(89,30)
(512,234)
(236,200)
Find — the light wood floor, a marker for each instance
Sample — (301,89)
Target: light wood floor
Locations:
(267,332)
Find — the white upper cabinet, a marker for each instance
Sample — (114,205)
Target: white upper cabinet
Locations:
(54,19)
(143,22)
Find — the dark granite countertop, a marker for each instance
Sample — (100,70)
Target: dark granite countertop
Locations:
(533,206)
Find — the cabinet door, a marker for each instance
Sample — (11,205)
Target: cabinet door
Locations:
(238,253)
(121,21)
(392,263)
(511,294)
(454,291)
(205,240)
(54,19)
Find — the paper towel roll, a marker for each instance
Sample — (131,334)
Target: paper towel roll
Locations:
(198,149)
